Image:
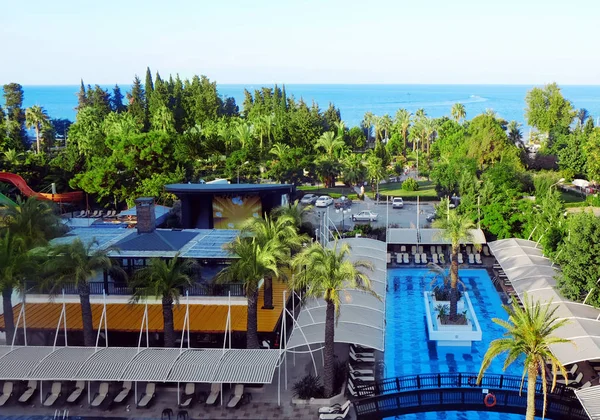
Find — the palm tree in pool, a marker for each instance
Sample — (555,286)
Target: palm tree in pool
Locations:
(529,334)
(456,228)
(78,263)
(36,118)
(252,264)
(165,280)
(327,273)
(458,112)
(280,232)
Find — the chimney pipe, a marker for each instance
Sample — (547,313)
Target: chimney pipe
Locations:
(146,218)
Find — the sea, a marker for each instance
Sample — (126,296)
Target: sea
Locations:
(353,101)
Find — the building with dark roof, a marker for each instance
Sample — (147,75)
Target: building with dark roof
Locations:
(226,206)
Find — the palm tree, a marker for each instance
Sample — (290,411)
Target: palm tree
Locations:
(244,133)
(280,232)
(367,123)
(429,130)
(514,132)
(165,280)
(12,157)
(354,170)
(403,120)
(458,112)
(340,126)
(295,211)
(331,143)
(386,123)
(375,170)
(529,333)
(254,262)
(33,220)
(327,273)
(77,263)
(280,150)
(456,228)
(36,118)
(420,113)
(581,116)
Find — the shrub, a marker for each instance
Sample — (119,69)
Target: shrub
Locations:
(309,387)
(410,185)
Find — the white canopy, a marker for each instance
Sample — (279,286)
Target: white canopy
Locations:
(143,365)
(362,315)
(532,273)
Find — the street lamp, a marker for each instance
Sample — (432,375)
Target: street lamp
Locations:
(344,212)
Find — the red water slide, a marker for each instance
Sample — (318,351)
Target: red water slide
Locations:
(19,182)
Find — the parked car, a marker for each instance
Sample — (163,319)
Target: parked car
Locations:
(324,201)
(309,199)
(397,203)
(343,203)
(430,217)
(364,216)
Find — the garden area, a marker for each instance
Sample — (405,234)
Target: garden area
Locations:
(425,191)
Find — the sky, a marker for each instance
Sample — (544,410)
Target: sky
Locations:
(314,41)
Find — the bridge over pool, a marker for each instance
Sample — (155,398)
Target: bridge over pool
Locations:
(459,392)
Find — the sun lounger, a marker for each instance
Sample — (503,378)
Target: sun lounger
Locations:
(361,359)
(147,396)
(122,395)
(432,249)
(188,395)
(434,258)
(28,393)
(423,258)
(417,258)
(215,390)
(352,388)
(7,391)
(439,249)
(53,395)
(402,248)
(236,397)
(74,396)
(361,353)
(334,408)
(81,214)
(421,250)
(486,251)
(571,372)
(442,259)
(361,378)
(469,251)
(405,258)
(413,250)
(586,385)
(389,258)
(337,415)
(100,395)
(478,258)
(460,258)
(574,382)
(360,372)
(471,259)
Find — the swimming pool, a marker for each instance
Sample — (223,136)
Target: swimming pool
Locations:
(408,350)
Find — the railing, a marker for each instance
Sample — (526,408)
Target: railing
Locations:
(459,391)
(122,289)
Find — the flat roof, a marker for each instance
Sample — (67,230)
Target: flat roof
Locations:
(226,188)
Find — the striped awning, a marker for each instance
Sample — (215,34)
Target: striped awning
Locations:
(362,315)
(143,365)
(590,400)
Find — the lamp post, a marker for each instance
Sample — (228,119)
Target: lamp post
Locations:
(344,212)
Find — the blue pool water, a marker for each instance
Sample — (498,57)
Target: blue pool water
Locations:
(408,350)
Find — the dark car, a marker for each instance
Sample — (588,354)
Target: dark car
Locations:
(430,217)
(343,203)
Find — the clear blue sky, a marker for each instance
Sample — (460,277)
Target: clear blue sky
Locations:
(313,41)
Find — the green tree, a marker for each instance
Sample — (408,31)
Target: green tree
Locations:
(592,151)
(82,100)
(375,170)
(456,228)
(529,335)
(36,118)
(116,101)
(330,143)
(164,279)
(547,110)
(403,121)
(458,112)
(367,123)
(33,221)
(15,116)
(252,264)
(354,170)
(514,132)
(78,263)
(137,103)
(326,273)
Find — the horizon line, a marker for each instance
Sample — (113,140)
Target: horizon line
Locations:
(332,84)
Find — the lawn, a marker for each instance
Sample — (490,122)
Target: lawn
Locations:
(426,191)
(335,192)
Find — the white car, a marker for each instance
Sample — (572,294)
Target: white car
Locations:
(364,216)
(397,203)
(324,201)
(308,199)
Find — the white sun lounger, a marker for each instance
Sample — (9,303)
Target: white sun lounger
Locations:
(423,258)
(420,250)
(460,258)
(417,258)
(402,248)
(123,393)
(28,393)
(364,353)
(215,390)
(236,398)
(478,258)
(352,389)
(188,395)
(7,391)
(413,250)
(53,395)
(432,249)
(486,251)
(148,395)
(434,258)
(405,258)
(361,372)
(100,395)
(439,249)
(335,416)
(359,379)
(442,259)
(389,258)
(334,408)
(471,259)
(74,396)
(361,359)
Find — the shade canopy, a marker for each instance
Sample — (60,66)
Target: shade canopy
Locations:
(139,365)
(533,274)
(590,400)
(362,315)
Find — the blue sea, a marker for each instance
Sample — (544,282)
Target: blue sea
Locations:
(508,101)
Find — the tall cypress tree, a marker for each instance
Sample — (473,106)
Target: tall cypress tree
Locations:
(137,103)
(2,128)
(116,102)
(99,99)
(82,100)
(148,86)
(13,99)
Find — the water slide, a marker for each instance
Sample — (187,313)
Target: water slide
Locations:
(19,182)
(5,201)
